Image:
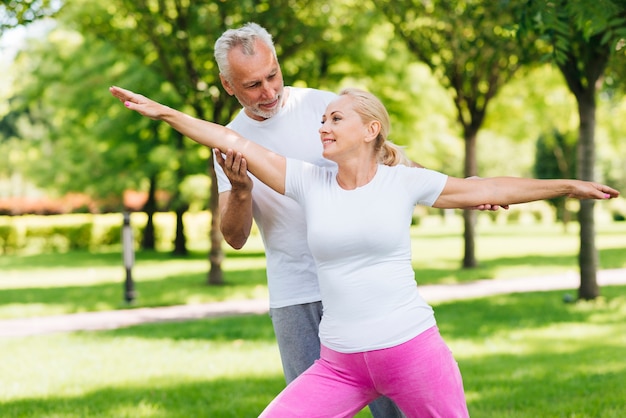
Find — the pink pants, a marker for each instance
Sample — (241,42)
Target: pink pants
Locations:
(420,376)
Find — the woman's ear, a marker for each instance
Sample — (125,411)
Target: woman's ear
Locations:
(373,129)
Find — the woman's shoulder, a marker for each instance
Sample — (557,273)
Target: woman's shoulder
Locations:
(411,174)
(305,166)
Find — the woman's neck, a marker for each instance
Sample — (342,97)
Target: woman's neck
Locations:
(350,177)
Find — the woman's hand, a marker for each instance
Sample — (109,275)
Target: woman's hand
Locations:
(592,190)
(139,103)
(503,191)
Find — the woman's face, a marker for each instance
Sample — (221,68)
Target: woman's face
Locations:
(343,132)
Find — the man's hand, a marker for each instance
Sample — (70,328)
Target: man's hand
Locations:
(489,207)
(235,204)
(235,168)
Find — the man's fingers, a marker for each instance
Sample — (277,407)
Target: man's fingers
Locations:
(237,159)
(218,157)
(231,162)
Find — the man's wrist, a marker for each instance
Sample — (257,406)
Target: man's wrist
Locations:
(240,194)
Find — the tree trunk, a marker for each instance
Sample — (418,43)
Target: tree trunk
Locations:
(180,206)
(469,216)
(588,257)
(216,254)
(148,240)
(180,241)
(583,70)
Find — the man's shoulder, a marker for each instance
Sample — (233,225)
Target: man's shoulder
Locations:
(307,93)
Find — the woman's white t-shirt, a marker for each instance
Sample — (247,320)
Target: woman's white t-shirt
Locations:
(361,243)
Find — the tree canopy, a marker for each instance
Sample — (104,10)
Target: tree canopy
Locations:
(22,12)
(440,67)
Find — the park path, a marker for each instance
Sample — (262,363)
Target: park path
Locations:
(89,321)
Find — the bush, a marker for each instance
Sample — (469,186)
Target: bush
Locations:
(113,236)
(61,237)
(78,236)
(8,239)
(60,233)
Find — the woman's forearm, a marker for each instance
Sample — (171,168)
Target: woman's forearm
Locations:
(460,193)
(203,132)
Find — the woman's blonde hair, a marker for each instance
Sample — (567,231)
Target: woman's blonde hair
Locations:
(371,109)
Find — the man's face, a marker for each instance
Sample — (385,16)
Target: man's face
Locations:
(256,81)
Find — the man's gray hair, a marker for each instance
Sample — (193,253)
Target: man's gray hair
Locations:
(245,37)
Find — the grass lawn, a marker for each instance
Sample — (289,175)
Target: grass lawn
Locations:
(523,355)
(531,355)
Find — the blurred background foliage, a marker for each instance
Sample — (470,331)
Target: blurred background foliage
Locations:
(473,87)
(60,132)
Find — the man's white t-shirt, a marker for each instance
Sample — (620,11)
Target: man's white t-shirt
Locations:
(362,246)
(293,132)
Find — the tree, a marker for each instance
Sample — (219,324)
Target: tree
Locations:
(471,49)
(22,12)
(13,14)
(77,150)
(582,37)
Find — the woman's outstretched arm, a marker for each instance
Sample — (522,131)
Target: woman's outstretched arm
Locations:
(462,193)
(266,165)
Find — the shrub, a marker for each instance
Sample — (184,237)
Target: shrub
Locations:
(78,236)
(8,239)
(60,237)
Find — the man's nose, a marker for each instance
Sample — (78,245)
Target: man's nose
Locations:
(268,90)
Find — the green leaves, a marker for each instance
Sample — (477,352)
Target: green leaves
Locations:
(22,12)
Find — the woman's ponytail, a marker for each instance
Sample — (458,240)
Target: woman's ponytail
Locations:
(391,154)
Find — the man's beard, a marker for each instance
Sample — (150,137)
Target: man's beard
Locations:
(266,114)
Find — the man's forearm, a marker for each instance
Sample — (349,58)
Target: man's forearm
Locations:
(236,218)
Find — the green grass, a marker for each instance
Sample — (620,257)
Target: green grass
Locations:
(49,284)
(223,367)
(523,355)
(530,355)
